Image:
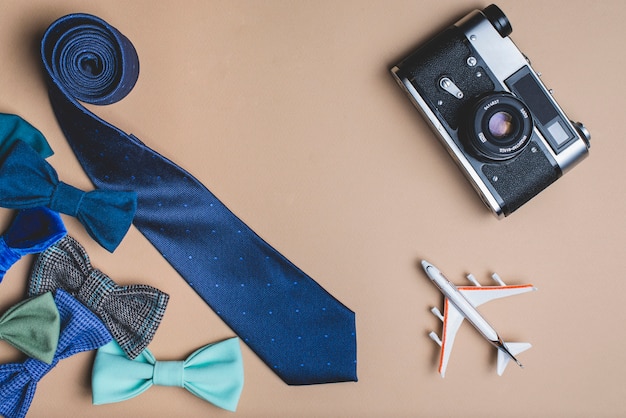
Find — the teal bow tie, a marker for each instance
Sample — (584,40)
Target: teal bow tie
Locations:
(14,128)
(32,326)
(213,373)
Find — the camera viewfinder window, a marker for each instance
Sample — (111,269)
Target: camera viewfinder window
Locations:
(558,132)
(548,119)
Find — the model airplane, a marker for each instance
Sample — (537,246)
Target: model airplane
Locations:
(461,303)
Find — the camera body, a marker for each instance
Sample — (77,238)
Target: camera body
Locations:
(491,111)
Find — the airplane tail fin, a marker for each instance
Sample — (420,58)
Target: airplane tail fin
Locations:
(514,349)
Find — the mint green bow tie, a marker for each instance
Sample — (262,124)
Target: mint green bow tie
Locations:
(32,326)
(213,373)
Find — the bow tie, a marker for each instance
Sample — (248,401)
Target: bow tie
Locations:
(12,128)
(81,331)
(131,313)
(31,232)
(27,180)
(213,373)
(32,326)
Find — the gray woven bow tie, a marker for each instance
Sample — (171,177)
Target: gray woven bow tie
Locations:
(131,313)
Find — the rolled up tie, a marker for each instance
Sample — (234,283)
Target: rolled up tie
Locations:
(32,231)
(27,180)
(32,326)
(131,313)
(81,330)
(213,373)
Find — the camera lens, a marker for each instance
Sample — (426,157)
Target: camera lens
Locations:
(501,125)
(498,126)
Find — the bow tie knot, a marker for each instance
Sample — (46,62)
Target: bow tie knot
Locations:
(36,370)
(66,199)
(96,289)
(169,373)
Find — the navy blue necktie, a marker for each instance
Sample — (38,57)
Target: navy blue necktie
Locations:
(297,328)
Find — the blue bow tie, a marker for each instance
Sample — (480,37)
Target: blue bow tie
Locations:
(31,232)
(27,180)
(81,331)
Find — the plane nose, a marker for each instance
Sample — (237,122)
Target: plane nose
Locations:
(426,264)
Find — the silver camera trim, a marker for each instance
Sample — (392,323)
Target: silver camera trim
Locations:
(504,59)
(476,181)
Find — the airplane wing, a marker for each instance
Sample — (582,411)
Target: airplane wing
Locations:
(452,317)
(478,295)
(452,320)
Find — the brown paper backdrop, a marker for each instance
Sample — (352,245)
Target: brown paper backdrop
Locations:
(287,112)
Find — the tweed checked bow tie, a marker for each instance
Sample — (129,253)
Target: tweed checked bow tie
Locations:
(131,313)
(32,326)
(81,331)
(31,232)
(27,180)
(213,373)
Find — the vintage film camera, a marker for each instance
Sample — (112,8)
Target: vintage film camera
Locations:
(491,111)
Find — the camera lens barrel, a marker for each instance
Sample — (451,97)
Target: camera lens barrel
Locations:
(498,127)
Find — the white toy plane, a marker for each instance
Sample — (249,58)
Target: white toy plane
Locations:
(461,303)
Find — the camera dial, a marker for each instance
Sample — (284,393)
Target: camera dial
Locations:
(583,132)
(498,127)
(498,19)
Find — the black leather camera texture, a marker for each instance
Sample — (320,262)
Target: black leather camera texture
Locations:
(446,55)
(521,179)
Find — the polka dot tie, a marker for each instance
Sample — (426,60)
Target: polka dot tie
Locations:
(298,329)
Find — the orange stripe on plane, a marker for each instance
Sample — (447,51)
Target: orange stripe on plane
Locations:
(521,286)
(443,333)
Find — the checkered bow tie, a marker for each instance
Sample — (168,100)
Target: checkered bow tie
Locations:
(131,313)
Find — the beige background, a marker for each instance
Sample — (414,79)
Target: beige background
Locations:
(287,111)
